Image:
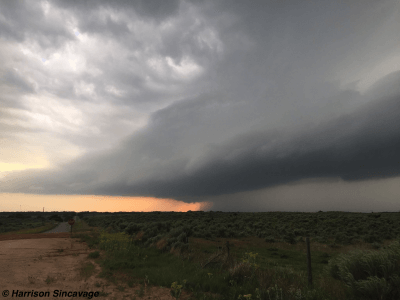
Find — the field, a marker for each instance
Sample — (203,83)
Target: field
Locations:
(30,222)
(354,255)
(215,255)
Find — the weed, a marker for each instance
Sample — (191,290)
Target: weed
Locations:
(87,270)
(49,279)
(121,288)
(369,274)
(140,293)
(282,275)
(31,279)
(95,254)
(176,289)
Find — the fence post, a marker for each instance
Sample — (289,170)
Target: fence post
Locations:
(309,262)
(227,247)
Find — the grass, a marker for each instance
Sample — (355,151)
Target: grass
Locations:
(80,226)
(103,294)
(40,229)
(49,279)
(140,292)
(121,288)
(95,254)
(87,270)
(254,270)
(87,234)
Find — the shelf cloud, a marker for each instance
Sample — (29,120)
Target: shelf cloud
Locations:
(250,106)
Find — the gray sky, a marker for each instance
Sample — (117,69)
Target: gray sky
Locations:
(250,105)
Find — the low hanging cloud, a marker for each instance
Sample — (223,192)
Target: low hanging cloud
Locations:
(351,147)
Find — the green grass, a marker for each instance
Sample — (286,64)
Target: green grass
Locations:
(39,229)
(285,265)
(80,226)
(263,270)
(50,279)
(95,254)
(86,234)
(87,270)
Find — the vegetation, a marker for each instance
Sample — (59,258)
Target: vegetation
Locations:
(94,254)
(370,274)
(87,270)
(30,228)
(30,222)
(237,255)
(354,256)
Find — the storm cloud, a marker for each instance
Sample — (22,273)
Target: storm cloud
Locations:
(221,101)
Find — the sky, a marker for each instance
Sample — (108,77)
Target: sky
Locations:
(223,105)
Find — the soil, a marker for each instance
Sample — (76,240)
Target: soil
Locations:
(48,262)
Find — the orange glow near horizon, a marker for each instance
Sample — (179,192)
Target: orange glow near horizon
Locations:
(9,167)
(31,202)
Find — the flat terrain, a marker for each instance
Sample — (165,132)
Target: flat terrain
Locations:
(54,261)
(62,227)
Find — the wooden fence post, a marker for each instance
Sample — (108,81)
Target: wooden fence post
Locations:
(309,262)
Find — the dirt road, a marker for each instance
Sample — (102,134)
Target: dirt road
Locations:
(53,262)
(62,227)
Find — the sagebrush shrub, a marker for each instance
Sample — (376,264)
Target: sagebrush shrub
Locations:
(270,239)
(370,274)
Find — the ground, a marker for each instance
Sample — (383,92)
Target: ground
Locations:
(54,261)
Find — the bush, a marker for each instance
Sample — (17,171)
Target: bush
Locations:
(123,225)
(95,254)
(221,232)
(178,245)
(172,241)
(259,234)
(19,216)
(67,217)
(242,234)
(376,245)
(344,239)
(113,241)
(270,239)
(207,234)
(176,232)
(369,274)
(298,232)
(372,238)
(132,228)
(290,238)
(320,239)
(56,218)
(182,237)
(299,239)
